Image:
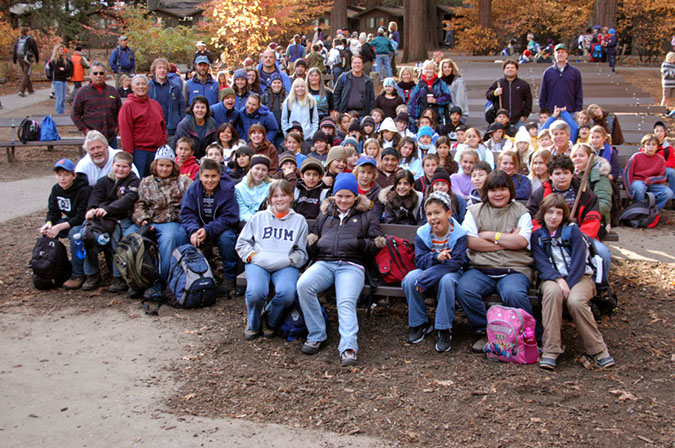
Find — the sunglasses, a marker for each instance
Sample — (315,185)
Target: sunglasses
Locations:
(98,73)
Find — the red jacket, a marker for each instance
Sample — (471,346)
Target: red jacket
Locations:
(189,168)
(587,216)
(668,153)
(142,124)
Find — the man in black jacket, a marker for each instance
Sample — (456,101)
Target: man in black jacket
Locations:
(25,53)
(354,90)
(511,93)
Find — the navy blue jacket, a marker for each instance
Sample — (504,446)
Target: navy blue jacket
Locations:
(562,89)
(122,59)
(427,260)
(573,244)
(225,209)
(208,88)
(188,128)
(262,116)
(170,97)
(222,115)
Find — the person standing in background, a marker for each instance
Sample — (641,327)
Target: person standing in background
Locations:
(25,53)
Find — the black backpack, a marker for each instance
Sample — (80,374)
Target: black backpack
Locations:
(50,264)
(642,214)
(137,259)
(97,232)
(29,130)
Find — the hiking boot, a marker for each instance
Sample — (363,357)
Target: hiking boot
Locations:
(118,285)
(250,335)
(226,287)
(604,360)
(268,332)
(418,333)
(74,283)
(92,282)
(479,345)
(348,358)
(443,341)
(311,347)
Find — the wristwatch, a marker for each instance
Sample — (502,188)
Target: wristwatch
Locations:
(497,236)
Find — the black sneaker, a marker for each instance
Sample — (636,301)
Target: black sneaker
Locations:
(118,285)
(267,331)
(418,333)
(443,341)
(239,291)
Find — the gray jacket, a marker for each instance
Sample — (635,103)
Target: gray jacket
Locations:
(275,243)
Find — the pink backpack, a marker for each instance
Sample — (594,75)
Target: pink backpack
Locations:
(510,333)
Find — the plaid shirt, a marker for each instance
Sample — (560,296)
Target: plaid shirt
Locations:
(94,110)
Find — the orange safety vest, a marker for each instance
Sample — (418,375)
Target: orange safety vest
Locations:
(78,69)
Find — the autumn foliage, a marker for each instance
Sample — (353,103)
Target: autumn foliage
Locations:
(649,22)
(243,28)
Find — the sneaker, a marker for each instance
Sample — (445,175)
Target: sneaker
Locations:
(604,360)
(21,94)
(348,358)
(118,285)
(250,335)
(418,333)
(548,361)
(92,282)
(74,283)
(479,345)
(268,332)
(239,291)
(311,347)
(226,287)
(52,95)
(443,341)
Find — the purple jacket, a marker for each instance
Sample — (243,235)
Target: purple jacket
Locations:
(562,89)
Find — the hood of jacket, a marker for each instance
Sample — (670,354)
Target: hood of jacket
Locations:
(261,111)
(362,205)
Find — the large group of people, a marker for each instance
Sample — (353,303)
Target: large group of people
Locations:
(245,161)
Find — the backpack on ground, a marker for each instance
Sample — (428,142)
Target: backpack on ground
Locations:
(137,259)
(29,130)
(48,130)
(641,214)
(50,264)
(97,232)
(293,325)
(395,259)
(190,281)
(510,333)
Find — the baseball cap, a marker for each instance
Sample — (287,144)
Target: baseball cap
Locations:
(202,60)
(65,164)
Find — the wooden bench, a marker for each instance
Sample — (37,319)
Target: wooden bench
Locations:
(395,291)
(59,120)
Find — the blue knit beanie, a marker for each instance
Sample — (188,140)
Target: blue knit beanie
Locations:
(425,130)
(239,74)
(346,181)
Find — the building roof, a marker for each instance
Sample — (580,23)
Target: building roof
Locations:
(179,12)
(391,11)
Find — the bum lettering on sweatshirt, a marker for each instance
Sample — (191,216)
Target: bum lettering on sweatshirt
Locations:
(277,234)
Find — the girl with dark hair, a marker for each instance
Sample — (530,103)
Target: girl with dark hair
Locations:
(228,137)
(509,162)
(253,80)
(561,256)
(198,125)
(257,137)
(322,94)
(241,87)
(402,203)
(410,159)
(499,230)
(240,163)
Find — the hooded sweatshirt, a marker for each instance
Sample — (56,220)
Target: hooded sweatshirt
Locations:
(116,197)
(274,243)
(142,124)
(225,209)
(71,202)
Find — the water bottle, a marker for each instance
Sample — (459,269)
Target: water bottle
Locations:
(103,239)
(529,338)
(531,350)
(79,247)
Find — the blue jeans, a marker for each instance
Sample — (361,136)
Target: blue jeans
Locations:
(383,66)
(445,293)
(606,256)
(670,175)
(258,287)
(226,242)
(120,230)
(60,89)
(142,160)
(662,192)
(348,279)
(474,285)
(170,235)
(81,267)
(337,71)
(113,142)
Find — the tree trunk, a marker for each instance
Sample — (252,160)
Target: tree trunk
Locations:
(415,42)
(604,13)
(432,24)
(485,13)
(338,16)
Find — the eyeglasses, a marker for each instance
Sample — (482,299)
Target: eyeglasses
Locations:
(98,73)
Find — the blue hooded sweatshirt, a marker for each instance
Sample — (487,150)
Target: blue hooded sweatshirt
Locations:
(427,260)
(225,209)
(262,116)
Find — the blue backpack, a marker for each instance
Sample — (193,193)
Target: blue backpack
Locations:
(191,283)
(597,51)
(48,130)
(293,324)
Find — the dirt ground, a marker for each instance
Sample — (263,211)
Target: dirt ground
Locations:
(399,394)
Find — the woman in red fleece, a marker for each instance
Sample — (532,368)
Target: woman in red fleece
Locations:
(142,125)
(185,158)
